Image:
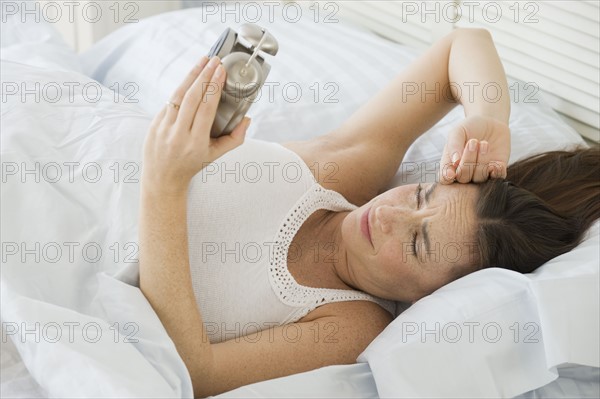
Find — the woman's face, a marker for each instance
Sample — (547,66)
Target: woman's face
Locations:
(417,244)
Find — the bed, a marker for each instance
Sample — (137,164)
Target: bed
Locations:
(74,322)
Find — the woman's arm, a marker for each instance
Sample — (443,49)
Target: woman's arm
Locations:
(177,147)
(369,146)
(165,277)
(475,68)
(479,146)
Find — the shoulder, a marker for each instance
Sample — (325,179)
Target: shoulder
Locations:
(340,167)
(365,316)
(357,323)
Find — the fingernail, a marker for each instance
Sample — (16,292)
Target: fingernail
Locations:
(219,71)
(454,158)
(472,145)
(483,147)
(493,171)
(203,61)
(214,60)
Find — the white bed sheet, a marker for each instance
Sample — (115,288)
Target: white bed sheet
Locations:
(343,381)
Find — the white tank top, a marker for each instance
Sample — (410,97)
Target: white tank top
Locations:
(243,212)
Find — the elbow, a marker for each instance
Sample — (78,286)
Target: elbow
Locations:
(473,32)
(202,375)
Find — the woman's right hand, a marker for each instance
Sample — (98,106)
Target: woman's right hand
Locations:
(477,149)
(178,144)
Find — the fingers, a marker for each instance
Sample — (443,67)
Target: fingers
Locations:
(481,172)
(447,171)
(452,153)
(468,162)
(482,147)
(486,167)
(179,94)
(475,165)
(228,142)
(158,118)
(206,113)
(497,169)
(194,96)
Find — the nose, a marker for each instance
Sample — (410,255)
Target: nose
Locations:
(388,217)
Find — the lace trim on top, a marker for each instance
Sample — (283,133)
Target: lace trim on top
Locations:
(285,286)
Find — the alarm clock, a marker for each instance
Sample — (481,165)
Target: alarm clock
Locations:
(240,54)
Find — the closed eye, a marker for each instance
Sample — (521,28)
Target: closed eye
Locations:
(414,237)
(414,244)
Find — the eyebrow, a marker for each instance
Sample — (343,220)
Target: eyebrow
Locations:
(424,230)
(428,192)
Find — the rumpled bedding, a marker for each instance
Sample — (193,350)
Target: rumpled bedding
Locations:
(75,323)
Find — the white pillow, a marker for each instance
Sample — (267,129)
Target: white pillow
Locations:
(495,332)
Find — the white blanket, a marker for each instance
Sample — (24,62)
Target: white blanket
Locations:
(68,227)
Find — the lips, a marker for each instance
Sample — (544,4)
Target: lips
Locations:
(365,226)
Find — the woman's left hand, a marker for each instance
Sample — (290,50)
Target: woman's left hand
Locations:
(477,149)
(178,144)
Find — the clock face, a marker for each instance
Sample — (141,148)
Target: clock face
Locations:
(219,44)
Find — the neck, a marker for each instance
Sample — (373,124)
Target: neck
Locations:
(331,231)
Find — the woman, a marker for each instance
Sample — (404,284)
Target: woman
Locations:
(387,245)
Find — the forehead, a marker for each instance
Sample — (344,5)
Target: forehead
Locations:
(464,193)
(450,224)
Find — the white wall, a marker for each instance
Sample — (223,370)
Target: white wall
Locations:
(552,45)
(83,22)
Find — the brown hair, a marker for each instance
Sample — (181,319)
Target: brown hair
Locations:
(541,210)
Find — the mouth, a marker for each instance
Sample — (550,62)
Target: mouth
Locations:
(365,226)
